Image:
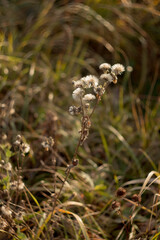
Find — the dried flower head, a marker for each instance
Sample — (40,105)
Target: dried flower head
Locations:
(48,143)
(105,67)
(121,192)
(6,211)
(107,77)
(17,185)
(89,81)
(77,94)
(24,148)
(117,69)
(100,90)
(75,162)
(20,215)
(8,166)
(136,198)
(88,97)
(18,141)
(77,84)
(73,110)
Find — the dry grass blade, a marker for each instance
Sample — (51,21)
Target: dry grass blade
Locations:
(149,159)
(156,196)
(147,180)
(80,222)
(72,203)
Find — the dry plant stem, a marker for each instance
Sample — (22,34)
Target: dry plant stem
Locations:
(18,176)
(69,169)
(59,193)
(54,168)
(82,128)
(124,224)
(139,205)
(153,207)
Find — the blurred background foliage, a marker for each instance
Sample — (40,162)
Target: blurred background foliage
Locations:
(44,45)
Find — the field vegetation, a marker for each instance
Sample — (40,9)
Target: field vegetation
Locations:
(112,189)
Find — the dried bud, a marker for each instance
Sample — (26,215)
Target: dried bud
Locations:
(136,198)
(86,122)
(48,143)
(121,192)
(21,145)
(25,148)
(99,90)
(17,185)
(18,141)
(73,110)
(116,205)
(75,162)
(6,211)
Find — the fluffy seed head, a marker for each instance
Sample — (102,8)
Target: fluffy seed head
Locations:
(78,94)
(25,148)
(105,67)
(6,211)
(89,81)
(117,69)
(77,84)
(8,166)
(108,77)
(88,97)
(18,140)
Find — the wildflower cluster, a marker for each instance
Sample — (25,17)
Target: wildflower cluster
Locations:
(110,73)
(23,147)
(87,90)
(17,185)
